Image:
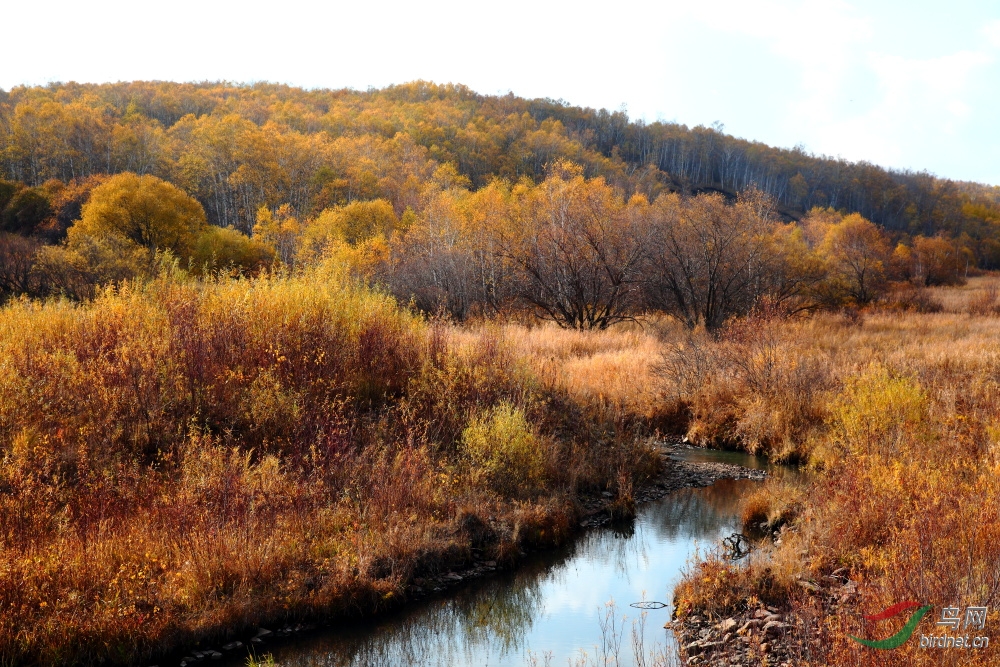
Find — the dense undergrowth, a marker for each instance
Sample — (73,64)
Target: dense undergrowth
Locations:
(182,458)
(898,414)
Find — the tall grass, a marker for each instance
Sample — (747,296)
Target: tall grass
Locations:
(902,428)
(181,459)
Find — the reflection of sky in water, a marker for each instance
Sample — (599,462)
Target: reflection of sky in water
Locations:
(551,604)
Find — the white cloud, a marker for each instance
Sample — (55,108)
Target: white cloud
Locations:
(992,32)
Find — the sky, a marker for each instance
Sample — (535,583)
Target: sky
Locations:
(909,84)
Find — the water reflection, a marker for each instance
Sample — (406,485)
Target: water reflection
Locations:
(551,605)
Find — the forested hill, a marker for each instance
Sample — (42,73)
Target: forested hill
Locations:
(236,148)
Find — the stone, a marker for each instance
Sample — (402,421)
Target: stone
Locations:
(232,646)
(263,632)
(774,627)
(215,655)
(726,625)
(694,648)
(761,613)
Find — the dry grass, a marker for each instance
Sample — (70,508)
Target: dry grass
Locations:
(182,459)
(958,299)
(614,368)
(904,434)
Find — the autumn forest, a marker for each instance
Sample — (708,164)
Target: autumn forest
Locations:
(269,355)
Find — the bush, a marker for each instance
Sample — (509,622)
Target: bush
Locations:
(25,211)
(501,444)
(227,248)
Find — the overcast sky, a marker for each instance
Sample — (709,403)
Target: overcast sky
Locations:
(912,84)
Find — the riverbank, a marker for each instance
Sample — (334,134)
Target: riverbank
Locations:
(185,459)
(590,512)
(897,414)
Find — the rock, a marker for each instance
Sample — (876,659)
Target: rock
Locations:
(760,613)
(694,648)
(772,617)
(726,625)
(231,646)
(774,627)
(490,563)
(263,632)
(257,640)
(452,576)
(215,655)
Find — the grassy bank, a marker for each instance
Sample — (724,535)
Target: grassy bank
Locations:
(182,458)
(898,414)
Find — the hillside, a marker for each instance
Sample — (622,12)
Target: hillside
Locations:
(237,147)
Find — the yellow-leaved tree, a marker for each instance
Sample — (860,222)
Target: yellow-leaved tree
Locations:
(145,210)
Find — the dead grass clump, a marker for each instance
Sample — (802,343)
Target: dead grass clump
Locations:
(718,588)
(743,390)
(985,302)
(909,299)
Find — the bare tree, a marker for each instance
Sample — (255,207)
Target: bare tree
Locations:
(580,250)
(707,260)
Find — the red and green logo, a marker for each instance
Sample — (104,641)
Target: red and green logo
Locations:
(900,637)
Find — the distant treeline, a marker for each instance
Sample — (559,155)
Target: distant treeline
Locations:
(237,147)
(449,198)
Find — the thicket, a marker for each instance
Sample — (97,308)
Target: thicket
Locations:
(185,457)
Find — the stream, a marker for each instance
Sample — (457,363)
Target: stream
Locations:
(565,606)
